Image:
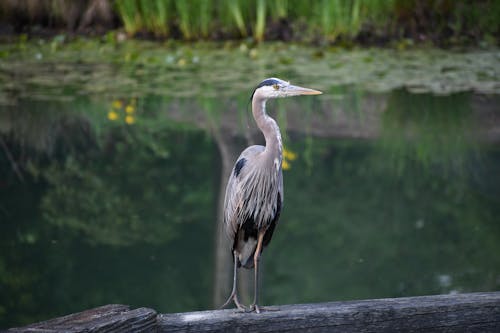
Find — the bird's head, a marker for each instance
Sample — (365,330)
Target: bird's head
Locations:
(275,88)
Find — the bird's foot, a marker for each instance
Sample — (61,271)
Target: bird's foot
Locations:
(238,304)
(234,298)
(254,307)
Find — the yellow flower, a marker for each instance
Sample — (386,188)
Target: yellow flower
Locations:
(289,155)
(129,120)
(285,165)
(182,62)
(112,115)
(253,53)
(117,104)
(129,109)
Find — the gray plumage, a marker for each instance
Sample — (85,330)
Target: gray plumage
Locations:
(254,196)
(254,192)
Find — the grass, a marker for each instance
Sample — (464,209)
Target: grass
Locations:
(260,20)
(130,14)
(325,20)
(236,8)
(157,14)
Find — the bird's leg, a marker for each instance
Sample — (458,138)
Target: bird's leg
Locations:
(256,258)
(234,293)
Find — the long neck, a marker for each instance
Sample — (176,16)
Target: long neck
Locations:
(268,126)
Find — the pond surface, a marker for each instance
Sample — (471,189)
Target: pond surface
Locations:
(113,157)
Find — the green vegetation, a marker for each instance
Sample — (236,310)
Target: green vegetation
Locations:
(444,127)
(371,233)
(84,196)
(109,169)
(440,21)
(137,68)
(112,212)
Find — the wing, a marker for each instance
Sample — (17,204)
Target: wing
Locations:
(234,200)
(279,207)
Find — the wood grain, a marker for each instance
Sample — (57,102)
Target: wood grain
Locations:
(474,312)
(477,312)
(106,319)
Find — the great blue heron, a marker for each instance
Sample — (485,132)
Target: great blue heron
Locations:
(254,192)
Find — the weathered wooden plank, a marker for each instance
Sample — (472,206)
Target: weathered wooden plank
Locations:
(105,319)
(475,312)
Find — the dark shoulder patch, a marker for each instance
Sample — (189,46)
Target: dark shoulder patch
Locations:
(239,165)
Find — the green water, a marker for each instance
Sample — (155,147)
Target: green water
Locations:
(111,166)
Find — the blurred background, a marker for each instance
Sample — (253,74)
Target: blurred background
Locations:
(120,122)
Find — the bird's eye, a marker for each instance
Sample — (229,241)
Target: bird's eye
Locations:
(276,86)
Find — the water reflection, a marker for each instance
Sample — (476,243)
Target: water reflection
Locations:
(390,195)
(432,131)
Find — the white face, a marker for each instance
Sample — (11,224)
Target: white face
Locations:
(273,91)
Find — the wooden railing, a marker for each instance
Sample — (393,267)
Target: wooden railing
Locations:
(474,312)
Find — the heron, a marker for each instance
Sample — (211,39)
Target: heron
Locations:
(254,192)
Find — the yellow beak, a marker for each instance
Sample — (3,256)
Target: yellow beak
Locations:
(292,90)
